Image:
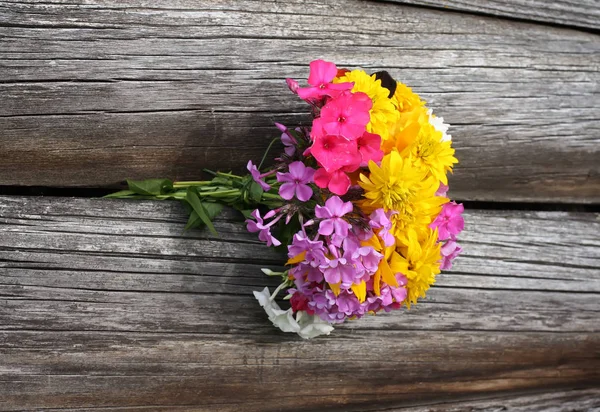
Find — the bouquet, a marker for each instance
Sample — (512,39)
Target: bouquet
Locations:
(357,200)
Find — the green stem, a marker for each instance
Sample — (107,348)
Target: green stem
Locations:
(267,152)
(179,185)
(222,193)
(271,196)
(229,175)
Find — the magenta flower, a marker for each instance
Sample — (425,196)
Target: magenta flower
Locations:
(292,85)
(257,176)
(449,222)
(296,182)
(450,250)
(347,115)
(332,214)
(320,77)
(333,151)
(337,182)
(369,147)
(258,225)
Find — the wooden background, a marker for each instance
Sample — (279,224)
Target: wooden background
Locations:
(109,305)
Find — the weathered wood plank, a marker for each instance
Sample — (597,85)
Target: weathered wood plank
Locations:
(109,304)
(95,93)
(581,13)
(568,401)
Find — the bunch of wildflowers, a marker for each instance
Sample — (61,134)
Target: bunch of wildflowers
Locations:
(367,186)
(358,200)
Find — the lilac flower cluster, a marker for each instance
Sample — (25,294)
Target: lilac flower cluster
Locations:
(333,267)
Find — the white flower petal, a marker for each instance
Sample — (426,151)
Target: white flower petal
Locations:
(439,125)
(305,325)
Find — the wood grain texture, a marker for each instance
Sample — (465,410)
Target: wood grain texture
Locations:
(94,93)
(109,304)
(581,13)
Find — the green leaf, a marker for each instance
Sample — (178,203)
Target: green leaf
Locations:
(256,192)
(246,212)
(213,209)
(194,201)
(121,194)
(150,187)
(221,180)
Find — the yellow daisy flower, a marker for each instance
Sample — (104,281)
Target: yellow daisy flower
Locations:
(400,185)
(420,263)
(383,113)
(414,136)
(405,99)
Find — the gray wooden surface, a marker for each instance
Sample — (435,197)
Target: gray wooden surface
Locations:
(94,93)
(580,13)
(110,304)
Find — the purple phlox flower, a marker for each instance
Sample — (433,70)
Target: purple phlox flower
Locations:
(296,182)
(449,222)
(386,296)
(369,258)
(332,214)
(381,220)
(338,270)
(288,140)
(365,258)
(450,250)
(257,176)
(315,249)
(322,301)
(442,190)
(399,292)
(348,303)
(258,225)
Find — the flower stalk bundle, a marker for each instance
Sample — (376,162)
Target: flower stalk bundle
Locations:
(358,200)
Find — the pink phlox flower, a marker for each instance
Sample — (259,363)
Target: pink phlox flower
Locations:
(334,152)
(257,176)
(379,219)
(296,182)
(442,190)
(369,147)
(450,250)
(332,214)
(337,182)
(320,77)
(292,85)
(347,115)
(258,225)
(449,222)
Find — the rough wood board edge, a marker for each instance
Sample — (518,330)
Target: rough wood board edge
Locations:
(582,14)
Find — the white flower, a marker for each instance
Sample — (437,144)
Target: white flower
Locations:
(439,125)
(305,325)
